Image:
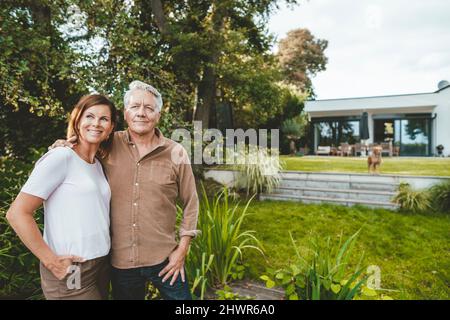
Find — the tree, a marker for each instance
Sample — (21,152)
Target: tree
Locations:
(301,56)
(294,129)
(206,23)
(39,75)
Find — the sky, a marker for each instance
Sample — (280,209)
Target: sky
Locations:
(375,47)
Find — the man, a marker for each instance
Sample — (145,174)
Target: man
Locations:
(147,173)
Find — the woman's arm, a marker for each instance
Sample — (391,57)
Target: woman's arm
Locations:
(21,218)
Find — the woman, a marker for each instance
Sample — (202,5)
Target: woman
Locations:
(76,197)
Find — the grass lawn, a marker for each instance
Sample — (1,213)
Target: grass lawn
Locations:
(404,166)
(412,250)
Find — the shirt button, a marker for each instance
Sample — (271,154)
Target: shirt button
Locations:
(135,204)
(138,163)
(136,184)
(134,225)
(134,146)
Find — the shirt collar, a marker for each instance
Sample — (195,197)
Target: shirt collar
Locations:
(158,133)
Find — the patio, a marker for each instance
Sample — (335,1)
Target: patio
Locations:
(358,149)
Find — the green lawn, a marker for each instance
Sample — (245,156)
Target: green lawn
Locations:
(412,250)
(393,165)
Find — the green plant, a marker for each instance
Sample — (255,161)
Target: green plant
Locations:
(258,170)
(323,273)
(220,246)
(409,199)
(19,268)
(440,196)
(238,271)
(227,294)
(294,129)
(199,273)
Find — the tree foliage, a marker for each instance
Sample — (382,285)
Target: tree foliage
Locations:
(197,53)
(301,57)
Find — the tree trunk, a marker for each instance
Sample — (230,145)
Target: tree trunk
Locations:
(206,95)
(293,147)
(160,18)
(206,102)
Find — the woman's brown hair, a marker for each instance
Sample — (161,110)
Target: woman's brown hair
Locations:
(85,103)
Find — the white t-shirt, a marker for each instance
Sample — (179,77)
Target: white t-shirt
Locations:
(76,203)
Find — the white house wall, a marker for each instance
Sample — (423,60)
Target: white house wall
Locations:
(442,122)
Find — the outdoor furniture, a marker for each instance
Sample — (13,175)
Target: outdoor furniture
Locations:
(334,151)
(345,150)
(359,148)
(396,151)
(323,150)
(387,148)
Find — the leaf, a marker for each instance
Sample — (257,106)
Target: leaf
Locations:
(290,289)
(368,292)
(279,276)
(335,288)
(270,284)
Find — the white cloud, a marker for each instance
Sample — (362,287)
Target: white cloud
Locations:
(375,47)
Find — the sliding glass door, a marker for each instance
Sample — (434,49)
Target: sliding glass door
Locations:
(410,136)
(415,137)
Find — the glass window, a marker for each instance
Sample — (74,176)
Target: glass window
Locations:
(410,136)
(414,137)
(335,132)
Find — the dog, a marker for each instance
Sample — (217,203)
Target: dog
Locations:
(374,160)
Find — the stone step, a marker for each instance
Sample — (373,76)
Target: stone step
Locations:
(335,184)
(348,177)
(370,195)
(324,199)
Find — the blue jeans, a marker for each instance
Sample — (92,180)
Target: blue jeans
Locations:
(131,284)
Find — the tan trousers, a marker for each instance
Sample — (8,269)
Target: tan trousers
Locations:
(93,281)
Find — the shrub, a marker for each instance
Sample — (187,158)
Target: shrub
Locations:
(259,170)
(324,273)
(214,256)
(440,197)
(19,268)
(413,200)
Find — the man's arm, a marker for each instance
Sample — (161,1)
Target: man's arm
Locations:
(188,195)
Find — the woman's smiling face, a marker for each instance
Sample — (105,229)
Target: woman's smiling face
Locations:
(95,124)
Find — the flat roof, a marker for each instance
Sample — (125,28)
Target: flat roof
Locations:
(385,96)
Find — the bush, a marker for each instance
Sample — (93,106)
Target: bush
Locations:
(440,197)
(259,170)
(215,255)
(19,268)
(323,274)
(412,200)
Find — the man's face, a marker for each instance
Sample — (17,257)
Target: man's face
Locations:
(141,113)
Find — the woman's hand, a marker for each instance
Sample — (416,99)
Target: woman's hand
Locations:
(59,265)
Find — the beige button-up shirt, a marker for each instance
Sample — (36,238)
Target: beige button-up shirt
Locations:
(144,192)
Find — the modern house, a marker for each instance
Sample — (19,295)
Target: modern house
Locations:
(414,124)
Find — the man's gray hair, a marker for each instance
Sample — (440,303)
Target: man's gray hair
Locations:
(139,85)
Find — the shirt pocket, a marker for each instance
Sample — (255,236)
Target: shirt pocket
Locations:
(162,173)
